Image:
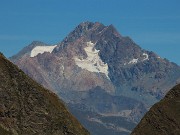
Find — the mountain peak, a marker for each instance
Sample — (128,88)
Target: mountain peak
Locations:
(89,25)
(39,43)
(86,24)
(97,29)
(91,31)
(111,30)
(28,49)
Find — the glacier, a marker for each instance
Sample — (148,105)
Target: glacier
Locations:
(93,62)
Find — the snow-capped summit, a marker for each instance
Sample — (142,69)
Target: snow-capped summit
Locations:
(78,68)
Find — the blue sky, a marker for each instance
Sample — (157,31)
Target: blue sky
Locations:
(152,24)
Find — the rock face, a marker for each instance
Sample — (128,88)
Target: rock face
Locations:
(26,108)
(163,118)
(95,58)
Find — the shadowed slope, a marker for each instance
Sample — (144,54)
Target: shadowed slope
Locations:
(163,118)
(27,108)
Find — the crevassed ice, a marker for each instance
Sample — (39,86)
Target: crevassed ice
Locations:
(93,62)
(41,49)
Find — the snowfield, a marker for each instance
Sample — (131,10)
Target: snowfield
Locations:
(41,49)
(93,62)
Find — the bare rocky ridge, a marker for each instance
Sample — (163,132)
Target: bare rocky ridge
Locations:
(26,108)
(121,69)
(163,118)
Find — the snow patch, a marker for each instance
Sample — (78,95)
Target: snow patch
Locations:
(146,56)
(133,61)
(93,62)
(41,49)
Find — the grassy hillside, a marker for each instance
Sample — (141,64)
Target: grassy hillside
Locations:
(163,118)
(27,108)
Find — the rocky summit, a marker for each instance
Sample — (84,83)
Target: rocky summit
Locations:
(163,118)
(101,75)
(26,108)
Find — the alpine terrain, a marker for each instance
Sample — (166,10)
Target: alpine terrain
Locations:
(163,118)
(26,108)
(107,81)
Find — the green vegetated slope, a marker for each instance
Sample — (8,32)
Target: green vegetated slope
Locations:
(163,118)
(27,108)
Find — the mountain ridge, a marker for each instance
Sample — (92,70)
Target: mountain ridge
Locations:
(96,56)
(26,50)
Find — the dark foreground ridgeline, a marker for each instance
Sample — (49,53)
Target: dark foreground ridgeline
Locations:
(26,108)
(163,118)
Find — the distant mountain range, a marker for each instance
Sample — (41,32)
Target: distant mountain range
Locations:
(26,108)
(163,118)
(106,80)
